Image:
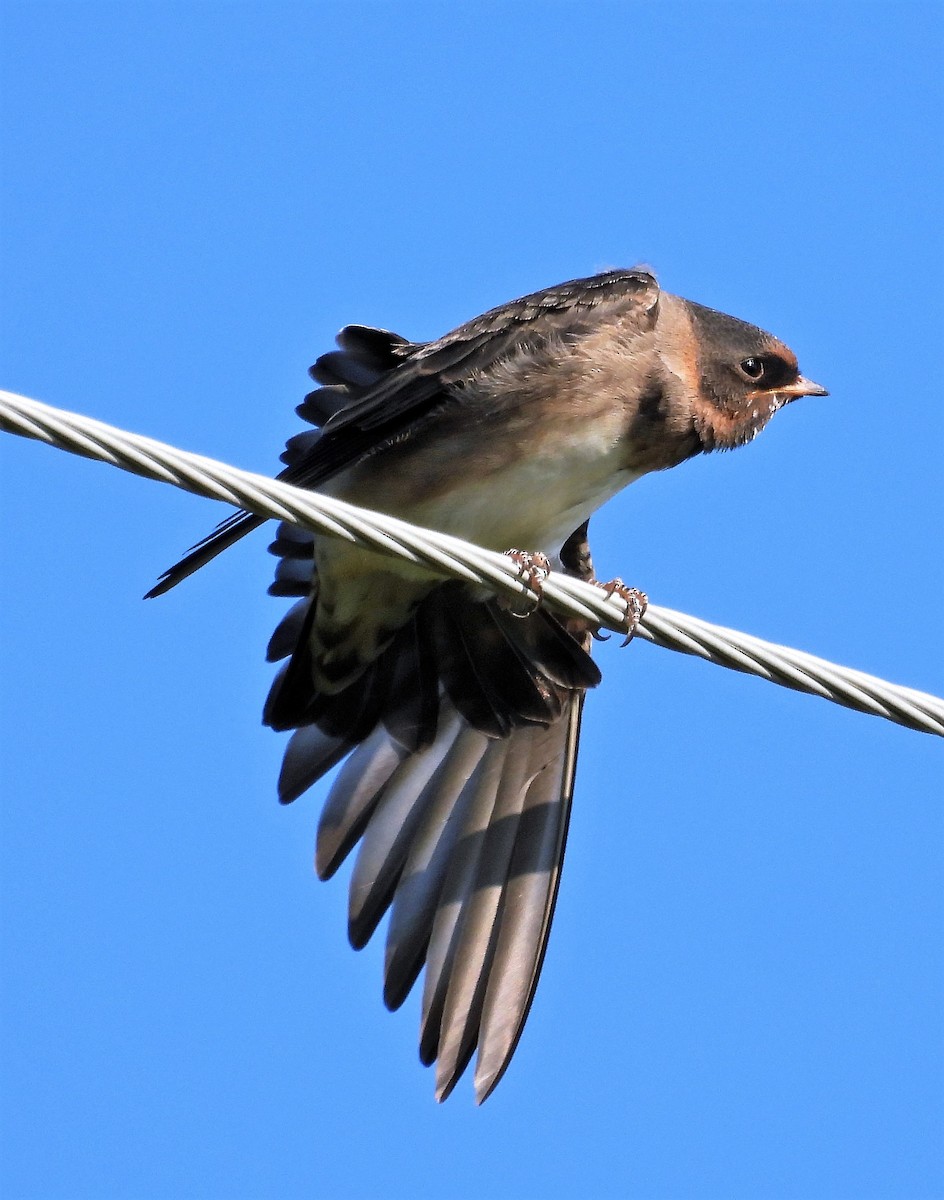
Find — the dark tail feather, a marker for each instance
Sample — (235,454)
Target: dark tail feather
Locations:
(226,534)
(364,357)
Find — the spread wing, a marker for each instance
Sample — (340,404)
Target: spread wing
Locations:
(377,385)
(460,744)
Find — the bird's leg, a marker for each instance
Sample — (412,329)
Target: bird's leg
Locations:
(635,601)
(533,569)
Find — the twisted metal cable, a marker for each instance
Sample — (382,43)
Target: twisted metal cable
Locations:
(452,557)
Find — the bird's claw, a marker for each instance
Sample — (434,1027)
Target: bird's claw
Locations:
(635,601)
(533,570)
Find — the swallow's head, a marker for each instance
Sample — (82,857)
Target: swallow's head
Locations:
(744,376)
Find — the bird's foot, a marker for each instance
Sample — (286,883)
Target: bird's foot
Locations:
(635,601)
(533,570)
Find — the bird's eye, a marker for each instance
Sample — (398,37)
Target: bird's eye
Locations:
(753,368)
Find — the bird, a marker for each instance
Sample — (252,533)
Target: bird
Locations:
(456,717)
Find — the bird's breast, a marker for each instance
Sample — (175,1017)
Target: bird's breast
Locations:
(521,454)
(527,484)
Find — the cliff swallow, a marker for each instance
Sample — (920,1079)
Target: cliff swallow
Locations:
(457,722)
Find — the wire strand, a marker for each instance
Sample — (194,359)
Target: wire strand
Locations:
(452,557)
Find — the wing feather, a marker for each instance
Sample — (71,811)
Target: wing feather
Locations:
(387,840)
(528,903)
(458,886)
(378,385)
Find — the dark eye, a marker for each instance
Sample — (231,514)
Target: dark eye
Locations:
(753,368)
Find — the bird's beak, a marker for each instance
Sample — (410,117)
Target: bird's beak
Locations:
(802,386)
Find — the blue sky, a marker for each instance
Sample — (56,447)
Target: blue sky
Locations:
(743,993)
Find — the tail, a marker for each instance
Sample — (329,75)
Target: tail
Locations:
(364,356)
(226,534)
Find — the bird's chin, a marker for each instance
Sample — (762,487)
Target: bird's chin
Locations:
(720,429)
(758,416)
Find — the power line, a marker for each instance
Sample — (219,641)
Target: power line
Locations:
(455,558)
